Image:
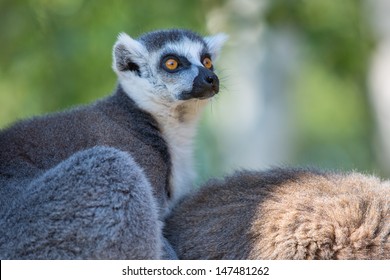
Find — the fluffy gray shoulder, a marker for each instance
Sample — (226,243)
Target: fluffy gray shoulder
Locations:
(95,205)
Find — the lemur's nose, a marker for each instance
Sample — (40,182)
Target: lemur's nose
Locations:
(210,79)
(205,85)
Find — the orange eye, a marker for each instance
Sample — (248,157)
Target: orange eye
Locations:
(207,63)
(171,64)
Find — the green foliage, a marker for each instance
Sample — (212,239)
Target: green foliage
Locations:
(330,95)
(337,31)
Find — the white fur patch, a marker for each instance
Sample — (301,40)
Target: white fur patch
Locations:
(178,121)
(179,131)
(190,49)
(215,43)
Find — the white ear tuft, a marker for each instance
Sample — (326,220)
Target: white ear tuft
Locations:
(127,54)
(131,44)
(215,43)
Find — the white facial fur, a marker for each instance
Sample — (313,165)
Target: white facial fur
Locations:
(215,44)
(157,92)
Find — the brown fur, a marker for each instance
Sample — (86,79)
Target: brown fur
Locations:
(284,214)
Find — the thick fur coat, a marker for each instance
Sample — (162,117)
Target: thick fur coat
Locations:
(97,181)
(284,214)
(65,194)
(65,214)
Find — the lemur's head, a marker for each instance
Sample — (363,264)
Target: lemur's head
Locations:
(167,66)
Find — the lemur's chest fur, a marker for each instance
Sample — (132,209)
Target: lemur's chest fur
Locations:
(179,128)
(178,123)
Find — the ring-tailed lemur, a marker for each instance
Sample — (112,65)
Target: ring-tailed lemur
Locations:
(93,181)
(284,214)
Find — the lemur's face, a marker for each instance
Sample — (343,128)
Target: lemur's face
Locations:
(172,65)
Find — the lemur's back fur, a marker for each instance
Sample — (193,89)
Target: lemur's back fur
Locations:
(36,145)
(284,214)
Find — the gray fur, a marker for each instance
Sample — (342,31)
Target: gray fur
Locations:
(95,182)
(284,214)
(31,147)
(168,251)
(155,41)
(65,214)
(46,184)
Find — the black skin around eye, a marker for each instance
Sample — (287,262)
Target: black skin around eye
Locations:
(182,61)
(206,55)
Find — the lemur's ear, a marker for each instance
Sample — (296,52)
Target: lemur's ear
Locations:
(128,54)
(215,43)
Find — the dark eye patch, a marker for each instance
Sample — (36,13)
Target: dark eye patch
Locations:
(206,55)
(182,61)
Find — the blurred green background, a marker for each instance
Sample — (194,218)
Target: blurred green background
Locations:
(294,74)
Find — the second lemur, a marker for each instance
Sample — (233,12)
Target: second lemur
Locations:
(284,214)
